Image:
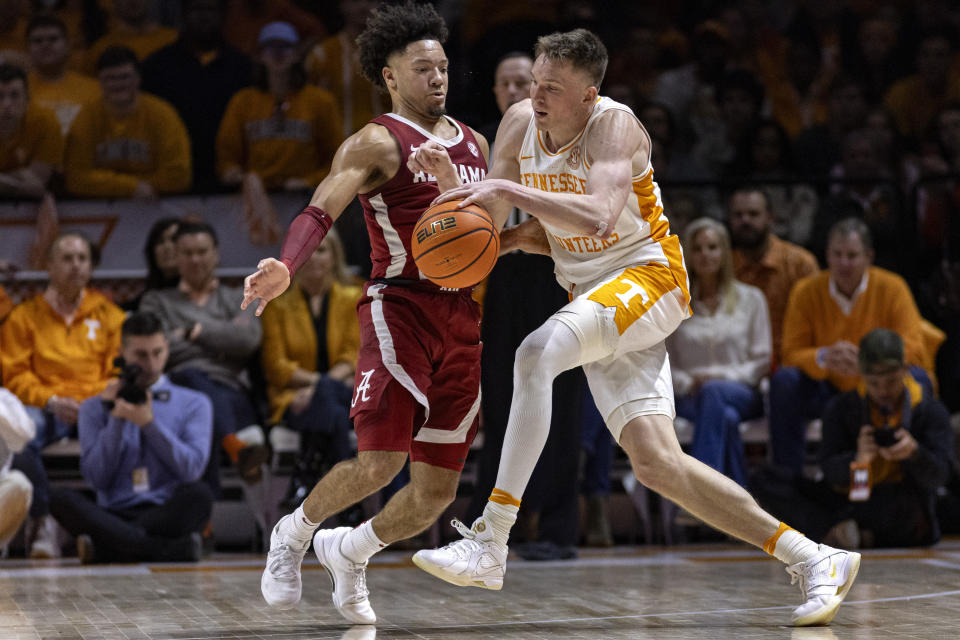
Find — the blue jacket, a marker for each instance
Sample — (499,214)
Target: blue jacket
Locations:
(174,448)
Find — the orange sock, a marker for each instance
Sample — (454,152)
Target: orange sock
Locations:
(771,542)
(502,497)
(232,445)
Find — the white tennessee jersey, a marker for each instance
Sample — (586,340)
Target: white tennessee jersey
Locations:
(642,233)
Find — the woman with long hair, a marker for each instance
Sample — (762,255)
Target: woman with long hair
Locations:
(160,254)
(719,355)
(311,337)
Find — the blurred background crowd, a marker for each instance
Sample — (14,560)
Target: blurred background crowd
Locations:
(808,154)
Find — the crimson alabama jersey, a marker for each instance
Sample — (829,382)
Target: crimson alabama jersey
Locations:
(392,210)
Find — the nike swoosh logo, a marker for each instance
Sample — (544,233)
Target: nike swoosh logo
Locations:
(833,569)
(414,147)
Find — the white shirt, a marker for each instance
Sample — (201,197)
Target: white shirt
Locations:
(731,345)
(846,304)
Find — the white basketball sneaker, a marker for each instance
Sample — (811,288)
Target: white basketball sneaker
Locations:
(349,578)
(474,561)
(280,583)
(824,580)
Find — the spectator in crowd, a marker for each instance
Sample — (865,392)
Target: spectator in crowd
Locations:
(827,315)
(86,22)
(145,445)
(244,19)
(12,26)
(211,341)
(334,65)
(127,143)
(766,158)
(798,96)
(739,97)
(133,26)
(894,156)
(877,57)
(867,189)
(282,129)
(57,350)
(31,145)
(311,338)
(52,84)
(688,90)
(938,198)
(887,448)
(916,99)
(762,259)
(198,74)
(719,355)
(16,492)
(160,254)
(818,148)
(511,84)
(637,63)
(675,164)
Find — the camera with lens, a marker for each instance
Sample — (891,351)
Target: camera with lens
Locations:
(130,389)
(884,437)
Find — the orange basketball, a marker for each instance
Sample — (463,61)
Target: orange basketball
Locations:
(455,246)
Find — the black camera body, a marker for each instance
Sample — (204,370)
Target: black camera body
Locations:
(884,437)
(130,389)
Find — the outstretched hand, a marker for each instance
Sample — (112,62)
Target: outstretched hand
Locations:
(270,280)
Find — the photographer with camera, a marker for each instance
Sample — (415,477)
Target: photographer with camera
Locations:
(887,447)
(145,444)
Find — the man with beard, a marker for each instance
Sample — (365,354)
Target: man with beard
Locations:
(762,259)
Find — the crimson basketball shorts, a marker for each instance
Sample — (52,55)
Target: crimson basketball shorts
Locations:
(417,386)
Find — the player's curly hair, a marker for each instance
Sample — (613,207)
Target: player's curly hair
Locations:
(391,28)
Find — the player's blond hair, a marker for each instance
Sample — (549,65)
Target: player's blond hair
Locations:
(581,48)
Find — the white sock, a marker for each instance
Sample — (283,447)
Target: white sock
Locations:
(793,547)
(500,517)
(298,526)
(361,543)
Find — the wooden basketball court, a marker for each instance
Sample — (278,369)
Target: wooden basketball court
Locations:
(716,592)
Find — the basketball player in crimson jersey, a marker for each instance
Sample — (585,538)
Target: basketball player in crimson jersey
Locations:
(418,375)
(580,164)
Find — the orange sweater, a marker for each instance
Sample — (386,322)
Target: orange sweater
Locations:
(106,157)
(297,142)
(37,140)
(813,320)
(65,97)
(42,356)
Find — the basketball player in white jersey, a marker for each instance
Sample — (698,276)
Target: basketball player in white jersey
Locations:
(580,164)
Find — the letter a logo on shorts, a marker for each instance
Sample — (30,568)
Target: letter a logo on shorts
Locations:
(362,388)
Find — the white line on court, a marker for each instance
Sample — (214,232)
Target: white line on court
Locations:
(639,616)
